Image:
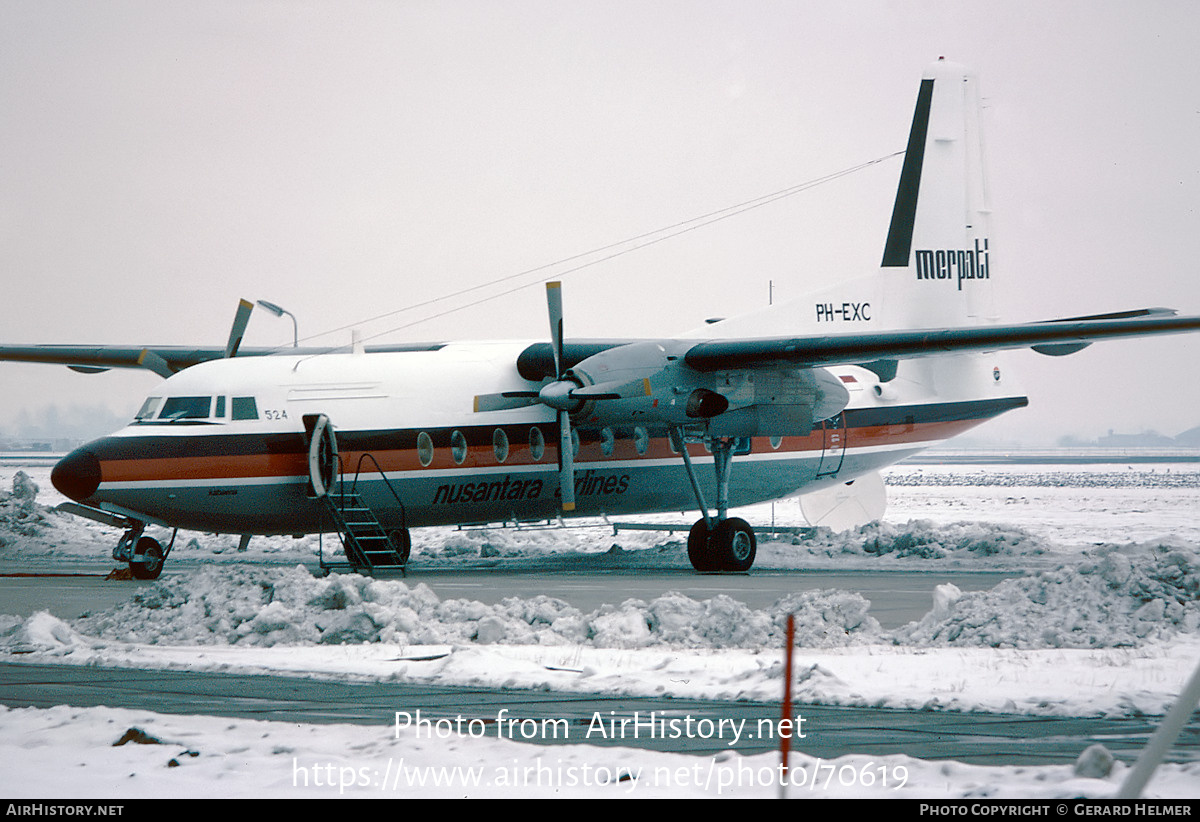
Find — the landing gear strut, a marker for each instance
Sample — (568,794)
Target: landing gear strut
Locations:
(719,543)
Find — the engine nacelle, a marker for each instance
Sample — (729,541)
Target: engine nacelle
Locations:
(649,383)
(639,383)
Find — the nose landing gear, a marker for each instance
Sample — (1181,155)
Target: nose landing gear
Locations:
(145,555)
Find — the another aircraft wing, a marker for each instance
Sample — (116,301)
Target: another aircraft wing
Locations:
(1055,338)
(166,360)
(95,358)
(162,360)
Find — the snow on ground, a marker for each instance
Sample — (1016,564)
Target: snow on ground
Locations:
(1101,617)
(77,752)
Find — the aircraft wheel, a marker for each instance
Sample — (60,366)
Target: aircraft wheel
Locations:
(147,562)
(402,542)
(700,552)
(733,545)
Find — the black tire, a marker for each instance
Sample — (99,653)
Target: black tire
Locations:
(147,562)
(733,545)
(402,542)
(699,549)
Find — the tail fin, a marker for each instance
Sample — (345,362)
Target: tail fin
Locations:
(937,261)
(937,258)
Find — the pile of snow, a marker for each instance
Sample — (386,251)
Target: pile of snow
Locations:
(274,606)
(924,539)
(20,514)
(1118,597)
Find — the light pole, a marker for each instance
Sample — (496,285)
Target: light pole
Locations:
(279,311)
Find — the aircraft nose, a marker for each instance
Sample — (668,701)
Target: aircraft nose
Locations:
(77,475)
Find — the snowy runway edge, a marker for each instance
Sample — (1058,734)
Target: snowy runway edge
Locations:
(1100,618)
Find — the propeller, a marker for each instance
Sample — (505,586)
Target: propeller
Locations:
(240,320)
(557,395)
(566,394)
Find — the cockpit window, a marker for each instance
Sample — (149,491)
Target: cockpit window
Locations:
(244,408)
(186,408)
(149,407)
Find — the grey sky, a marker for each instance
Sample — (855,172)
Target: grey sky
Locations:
(158,161)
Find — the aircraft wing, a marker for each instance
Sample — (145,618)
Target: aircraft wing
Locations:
(162,360)
(91,359)
(167,359)
(1054,338)
(1050,337)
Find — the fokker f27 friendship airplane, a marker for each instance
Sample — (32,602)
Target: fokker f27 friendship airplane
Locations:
(790,399)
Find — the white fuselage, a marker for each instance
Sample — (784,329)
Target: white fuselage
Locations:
(408,436)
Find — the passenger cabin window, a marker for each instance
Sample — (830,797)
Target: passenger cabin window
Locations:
(500,445)
(458,447)
(641,440)
(219,411)
(244,408)
(537,444)
(425,449)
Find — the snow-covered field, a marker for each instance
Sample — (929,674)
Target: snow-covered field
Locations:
(1100,618)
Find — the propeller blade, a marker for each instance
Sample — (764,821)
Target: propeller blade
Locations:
(148,359)
(554,303)
(566,453)
(505,400)
(566,461)
(240,321)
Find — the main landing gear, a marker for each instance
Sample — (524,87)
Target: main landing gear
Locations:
(719,543)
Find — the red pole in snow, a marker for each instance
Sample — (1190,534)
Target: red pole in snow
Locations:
(785,738)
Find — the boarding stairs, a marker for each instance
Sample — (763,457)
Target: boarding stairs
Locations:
(367,545)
